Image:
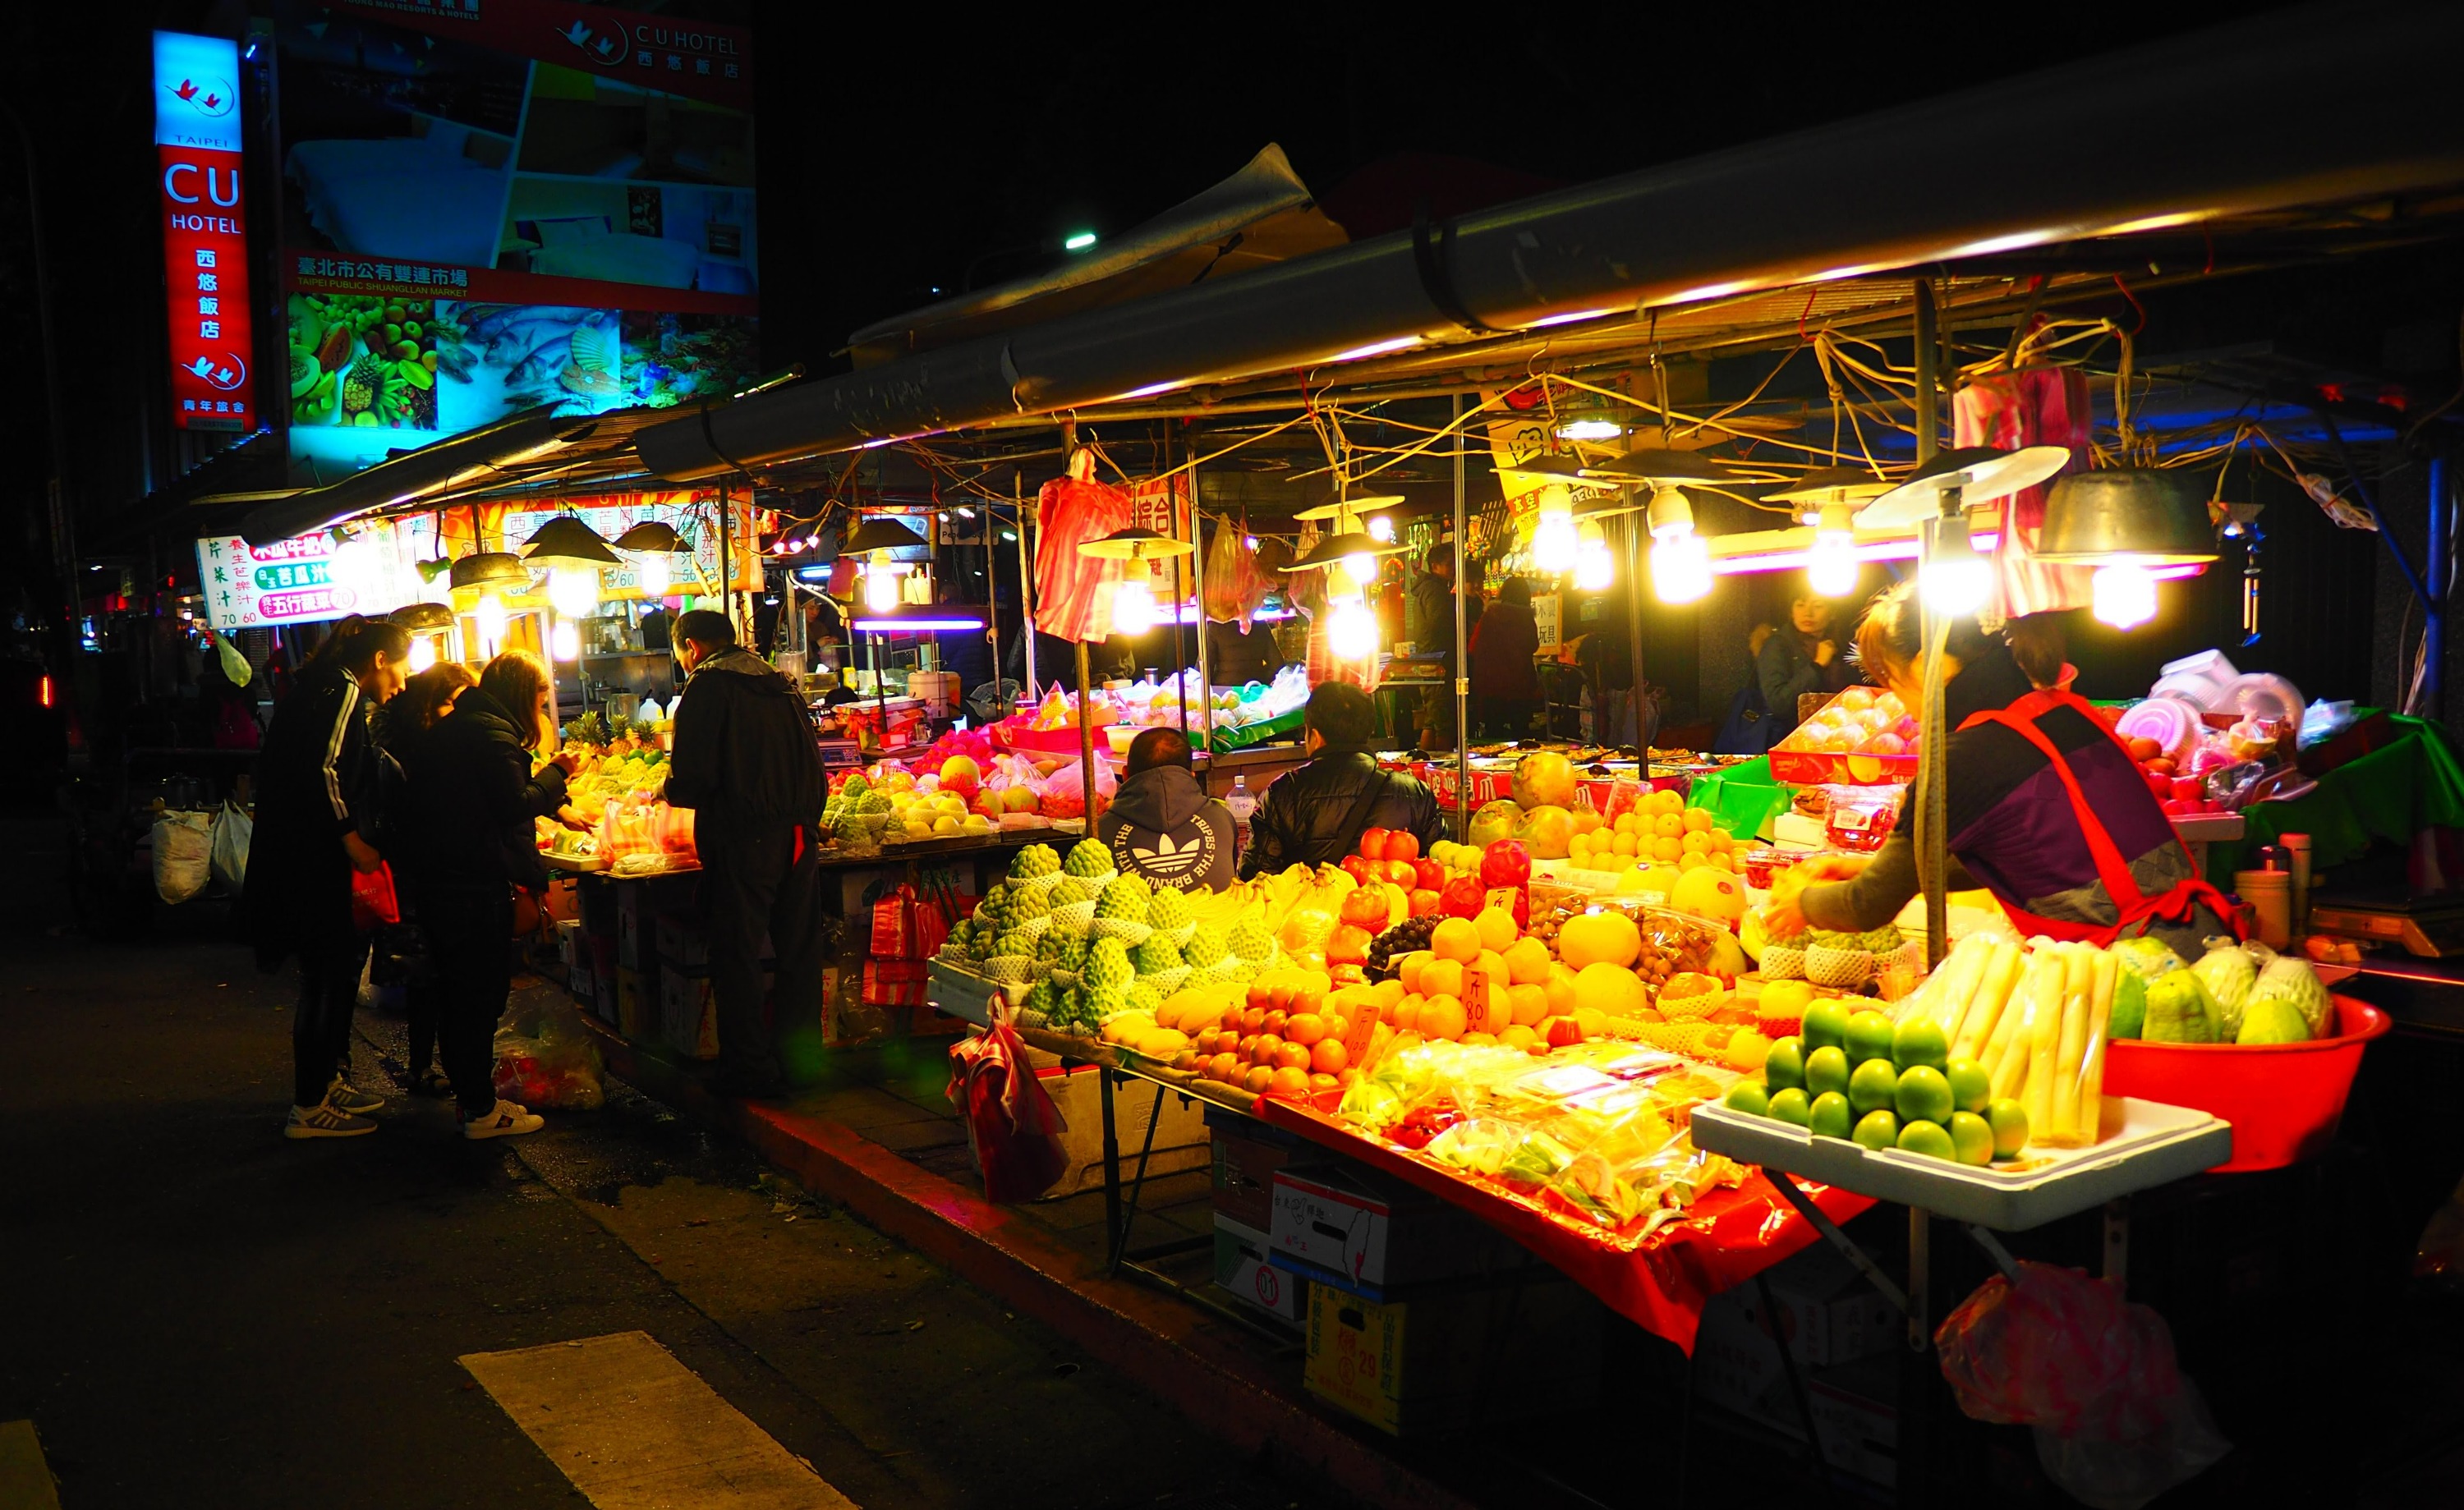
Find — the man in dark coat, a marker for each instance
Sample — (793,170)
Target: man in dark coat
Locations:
(317,821)
(746,763)
(1162,827)
(1316,815)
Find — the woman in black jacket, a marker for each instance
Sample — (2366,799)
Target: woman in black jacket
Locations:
(1802,658)
(317,821)
(399,726)
(472,799)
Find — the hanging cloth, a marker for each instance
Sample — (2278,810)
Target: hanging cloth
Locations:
(2132,906)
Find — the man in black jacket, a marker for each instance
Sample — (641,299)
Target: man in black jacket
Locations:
(746,763)
(1316,815)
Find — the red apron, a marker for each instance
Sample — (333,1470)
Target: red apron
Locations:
(2176,906)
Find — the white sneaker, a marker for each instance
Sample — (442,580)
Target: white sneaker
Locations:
(346,1098)
(504,1120)
(325,1120)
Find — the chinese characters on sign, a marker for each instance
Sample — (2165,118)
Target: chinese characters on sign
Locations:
(204,242)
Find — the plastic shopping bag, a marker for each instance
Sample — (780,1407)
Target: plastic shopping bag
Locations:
(373,902)
(2117,1422)
(546,1058)
(184,847)
(1012,1125)
(233,828)
(1065,790)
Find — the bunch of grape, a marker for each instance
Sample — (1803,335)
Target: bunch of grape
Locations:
(1403,938)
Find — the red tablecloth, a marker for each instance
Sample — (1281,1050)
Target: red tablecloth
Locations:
(1659,1282)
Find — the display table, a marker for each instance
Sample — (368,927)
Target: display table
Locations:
(2393,793)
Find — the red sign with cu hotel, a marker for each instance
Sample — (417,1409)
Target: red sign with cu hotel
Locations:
(205,237)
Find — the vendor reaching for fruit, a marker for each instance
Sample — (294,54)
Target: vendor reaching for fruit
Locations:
(2044,807)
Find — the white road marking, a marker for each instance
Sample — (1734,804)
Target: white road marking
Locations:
(635,1429)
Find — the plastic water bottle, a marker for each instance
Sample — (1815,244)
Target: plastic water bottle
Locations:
(1241,804)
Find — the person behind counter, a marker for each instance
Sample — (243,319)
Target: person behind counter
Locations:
(1162,827)
(2045,808)
(746,763)
(1504,686)
(1799,659)
(1234,658)
(1317,814)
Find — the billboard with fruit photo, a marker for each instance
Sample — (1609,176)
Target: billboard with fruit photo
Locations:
(540,203)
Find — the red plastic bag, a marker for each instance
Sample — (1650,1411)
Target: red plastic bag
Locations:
(373,903)
(905,925)
(1012,1125)
(2117,1422)
(1073,593)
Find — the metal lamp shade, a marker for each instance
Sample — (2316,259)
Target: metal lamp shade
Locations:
(878,535)
(1657,465)
(1336,508)
(1981,473)
(423,618)
(1135,544)
(566,541)
(1829,485)
(1560,469)
(491,569)
(2149,518)
(1335,547)
(650,537)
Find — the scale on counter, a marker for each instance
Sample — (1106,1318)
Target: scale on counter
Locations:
(2427,927)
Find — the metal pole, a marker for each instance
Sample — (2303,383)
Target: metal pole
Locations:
(1633,644)
(1198,596)
(1086,739)
(1933,842)
(992,599)
(1928,378)
(1462,654)
(62,528)
(1172,505)
(1025,578)
(726,556)
(2439,575)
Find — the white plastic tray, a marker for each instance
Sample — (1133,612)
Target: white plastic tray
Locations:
(2154,1144)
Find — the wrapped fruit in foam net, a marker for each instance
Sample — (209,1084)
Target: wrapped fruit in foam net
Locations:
(1205,947)
(1250,940)
(1167,907)
(1035,860)
(1144,997)
(1154,956)
(1069,889)
(1108,964)
(1087,857)
(1125,898)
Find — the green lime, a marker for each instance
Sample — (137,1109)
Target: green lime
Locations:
(1833,1116)
(1926,1138)
(1971,1087)
(1919,1040)
(1825,1024)
(2010,1125)
(1790,1106)
(1874,1085)
(1971,1141)
(1878,1131)
(1748,1097)
(1827,1070)
(1785,1064)
(1923,1095)
(1869,1036)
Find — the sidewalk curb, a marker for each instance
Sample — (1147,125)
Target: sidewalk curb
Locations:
(1148,1339)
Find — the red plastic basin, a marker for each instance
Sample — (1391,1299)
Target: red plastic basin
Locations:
(2283,1100)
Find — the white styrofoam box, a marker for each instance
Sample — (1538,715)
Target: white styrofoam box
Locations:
(1240,1267)
(2150,1143)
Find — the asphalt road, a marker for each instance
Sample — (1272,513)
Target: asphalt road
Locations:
(194,1311)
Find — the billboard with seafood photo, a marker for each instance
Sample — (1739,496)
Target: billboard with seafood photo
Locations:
(490,208)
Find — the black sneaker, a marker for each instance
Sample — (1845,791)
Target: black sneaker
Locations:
(350,1100)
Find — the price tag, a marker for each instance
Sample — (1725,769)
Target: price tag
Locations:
(1503,897)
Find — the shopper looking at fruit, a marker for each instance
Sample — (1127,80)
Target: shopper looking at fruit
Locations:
(1314,816)
(317,822)
(401,725)
(2044,807)
(1802,658)
(472,798)
(1162,827)
(746,762)
(1504,686)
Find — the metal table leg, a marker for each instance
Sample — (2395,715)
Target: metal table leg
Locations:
(1128,1214)
(1111,1152)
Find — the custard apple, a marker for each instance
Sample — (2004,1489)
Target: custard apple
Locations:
(1205,947)
(1050,947)
(1123,898)
(1108,964)
(1015,943)
(1069,889)
(1170,908)
(1044,997)
(873,803)
(1027,902)
(1073,951)
(1104,1000)
(1250,940)
(1087,857)
(1144,996)
(1156,956)
(1035,860)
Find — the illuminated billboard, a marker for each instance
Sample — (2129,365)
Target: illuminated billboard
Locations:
(489,209)
(205,237)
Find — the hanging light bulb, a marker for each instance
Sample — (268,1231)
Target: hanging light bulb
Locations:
(1554,542)
(1381,529)
(423,653)
(652,573)
(1352,632)
(1681,568)
(1830,569)
(491,613)
(1362,566)
(565,641)
(352,568)
(880,589)
(1133,606)
(2124,594)
(1953,578)
(573,590)
(1594,567)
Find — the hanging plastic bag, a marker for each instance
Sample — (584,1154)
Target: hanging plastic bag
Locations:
(233,828)
(1012,1125)
(1073,593)
(1236,587)
(183,850)
(234,664)
(1065,790)
(546,1058)
(2117,1422)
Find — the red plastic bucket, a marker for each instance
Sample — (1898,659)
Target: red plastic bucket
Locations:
(2283,1100)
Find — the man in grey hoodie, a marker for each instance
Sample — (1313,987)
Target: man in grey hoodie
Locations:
(1162,827)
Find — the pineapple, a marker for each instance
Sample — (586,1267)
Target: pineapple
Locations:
(362,385)
(1035,860)
(1206,946)
(1108,964)
(1087,857)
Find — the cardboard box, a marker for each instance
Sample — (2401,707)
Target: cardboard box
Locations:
(562,899)
(1179,1138)
(604,998)
(570,947)
(637,941)
(1827,1312)
(597,898)
(683,945)
(1373,1233)
(1466,1354)
(1240,1267)
(1739,1369)
(637,1004)
(1246,1155)
(688,1014)
(578,982)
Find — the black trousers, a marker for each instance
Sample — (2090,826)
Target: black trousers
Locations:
(757,884)
(470,943)
(320,1030)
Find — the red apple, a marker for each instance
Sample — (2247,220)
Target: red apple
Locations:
(1373,843)
(1366,906)
(1428,873)
(1362,869)
(1424,902)
(1349,946)
(1404,873)
(1403,844)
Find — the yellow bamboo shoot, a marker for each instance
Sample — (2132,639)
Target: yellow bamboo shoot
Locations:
(1954,983)
(2044,1028)
(2062,1095)
(2091,1076)
(1993,992)
(2009,1056)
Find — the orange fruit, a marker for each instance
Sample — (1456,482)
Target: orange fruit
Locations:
(1222,1068)
(1559,988)
(1259,1077)
(1530,1003)
(1477,1041)
(1443,1018)
(1697,819)
(1518,1036)
(1721,841)
(1593,1021)
(1263,1047)
(1668,825)
(1695,843)
(1666,850)
(1293,1056)
(1625,845)
(1610,989)
(1444,977)
(1497,929)
(1723,859)
(1385,994)
(1588,938)
(1328,1056)
(1408,971)
(1527,962)
(1407,1014)
(1289,1082)
(1691,860)
(1305,1029)
(1321,1085)
(1456,939)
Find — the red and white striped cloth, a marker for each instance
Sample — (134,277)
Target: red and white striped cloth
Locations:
(1073,593)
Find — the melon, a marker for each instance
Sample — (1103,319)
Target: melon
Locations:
(1544,779)
(1494,820)
(1550,831)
